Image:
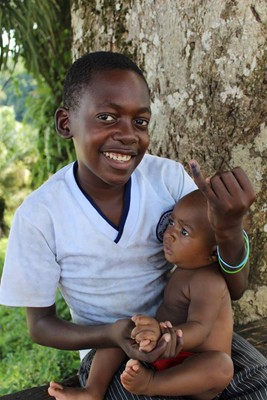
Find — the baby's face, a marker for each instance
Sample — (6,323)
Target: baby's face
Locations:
(185,241)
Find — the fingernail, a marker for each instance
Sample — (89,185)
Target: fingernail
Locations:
(193,163)
(179,332)
(167,338)
(194,167)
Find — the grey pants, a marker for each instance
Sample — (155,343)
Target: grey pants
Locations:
(249,382)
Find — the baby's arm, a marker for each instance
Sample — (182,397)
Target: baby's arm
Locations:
(146,333)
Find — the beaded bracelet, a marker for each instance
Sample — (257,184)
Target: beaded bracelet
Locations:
(235,268)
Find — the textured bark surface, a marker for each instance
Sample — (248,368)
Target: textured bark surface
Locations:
(206,65)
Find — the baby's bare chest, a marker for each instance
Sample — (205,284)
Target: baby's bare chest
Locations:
(176,299)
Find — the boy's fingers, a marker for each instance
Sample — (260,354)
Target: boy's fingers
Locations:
(199,180)
(159,350)
(180,341)
(245,184)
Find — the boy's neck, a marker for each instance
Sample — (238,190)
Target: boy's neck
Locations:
(109,199)
(95,189)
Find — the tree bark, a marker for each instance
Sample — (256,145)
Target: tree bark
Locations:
(205,62)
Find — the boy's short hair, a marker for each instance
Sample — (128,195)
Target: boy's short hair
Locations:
(80,73)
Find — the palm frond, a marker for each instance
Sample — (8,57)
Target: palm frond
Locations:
(28,24)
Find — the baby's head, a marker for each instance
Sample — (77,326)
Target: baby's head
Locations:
(189,240)
(82,71)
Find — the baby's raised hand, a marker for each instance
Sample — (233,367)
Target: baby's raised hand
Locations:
(146,333)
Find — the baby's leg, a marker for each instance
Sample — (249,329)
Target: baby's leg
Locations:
(137,379)
(104,365)
(201,376)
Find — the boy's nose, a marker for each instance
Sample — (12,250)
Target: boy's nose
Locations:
(125,133)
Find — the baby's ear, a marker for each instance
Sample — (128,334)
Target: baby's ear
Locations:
(213,254)
(62,123)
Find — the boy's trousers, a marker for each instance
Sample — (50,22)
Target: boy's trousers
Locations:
(249,381)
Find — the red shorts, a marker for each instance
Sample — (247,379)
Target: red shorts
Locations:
(165,363)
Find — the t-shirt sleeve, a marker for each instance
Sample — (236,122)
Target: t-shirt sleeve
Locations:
(178,181)
(187,183)
(31,273)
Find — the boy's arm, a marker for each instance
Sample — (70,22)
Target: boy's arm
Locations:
(47,329)
(229,196)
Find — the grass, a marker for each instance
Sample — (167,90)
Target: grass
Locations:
(23,363)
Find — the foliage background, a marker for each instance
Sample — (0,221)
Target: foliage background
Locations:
(35,51)
(40,33)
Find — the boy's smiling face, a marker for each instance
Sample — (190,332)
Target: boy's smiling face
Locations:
(109,128)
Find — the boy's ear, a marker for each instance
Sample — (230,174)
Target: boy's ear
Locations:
(62,123)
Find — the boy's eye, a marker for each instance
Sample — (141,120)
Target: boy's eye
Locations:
(184,232)
(142,122)
(106,117)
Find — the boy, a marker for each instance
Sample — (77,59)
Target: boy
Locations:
(196,301)
(90,229)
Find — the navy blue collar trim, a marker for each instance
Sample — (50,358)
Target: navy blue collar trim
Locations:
(126,204)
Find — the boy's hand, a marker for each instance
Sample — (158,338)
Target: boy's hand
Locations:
(146,333)
(174,339)
(229,196)
(169,345)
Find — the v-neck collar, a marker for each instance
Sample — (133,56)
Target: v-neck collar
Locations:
(126,204)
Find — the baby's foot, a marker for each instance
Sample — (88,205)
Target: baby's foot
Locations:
(69,393)
(137,379)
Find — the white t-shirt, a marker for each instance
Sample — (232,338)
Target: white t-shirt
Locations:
(60,239)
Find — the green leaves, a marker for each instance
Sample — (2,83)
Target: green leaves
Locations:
(40,32)
(25,364)
(18,152)
(27,24)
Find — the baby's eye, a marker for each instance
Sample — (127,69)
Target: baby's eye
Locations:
(184,232)
(106,117)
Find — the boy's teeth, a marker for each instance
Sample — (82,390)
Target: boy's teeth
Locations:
(118,157)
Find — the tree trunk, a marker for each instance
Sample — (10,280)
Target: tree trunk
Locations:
(205,62)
